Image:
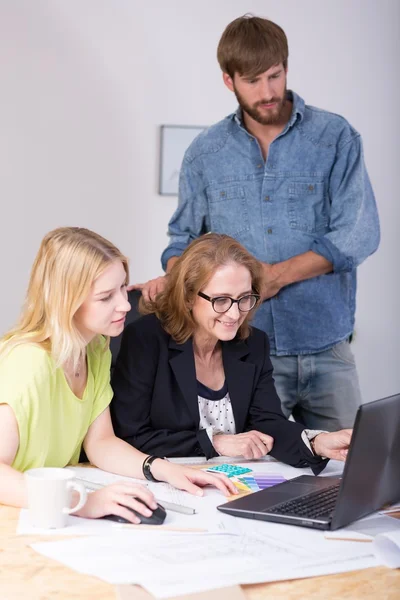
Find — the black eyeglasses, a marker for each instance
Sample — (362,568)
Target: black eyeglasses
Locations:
(222,304)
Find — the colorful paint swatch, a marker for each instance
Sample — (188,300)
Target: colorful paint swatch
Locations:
(266,480)
(250,482)
(240,485)
(229,470)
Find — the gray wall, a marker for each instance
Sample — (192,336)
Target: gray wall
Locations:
(85,85)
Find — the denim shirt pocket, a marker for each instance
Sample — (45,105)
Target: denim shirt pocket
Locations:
(228,209)
(306,206)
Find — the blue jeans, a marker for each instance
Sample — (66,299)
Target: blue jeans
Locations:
(320,390)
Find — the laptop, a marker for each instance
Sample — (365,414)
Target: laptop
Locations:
(371,479)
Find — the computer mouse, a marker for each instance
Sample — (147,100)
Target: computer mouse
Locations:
(157,518)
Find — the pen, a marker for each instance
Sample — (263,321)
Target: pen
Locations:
(186,510)
(347,539)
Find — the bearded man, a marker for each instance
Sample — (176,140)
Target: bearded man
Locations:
(289,182)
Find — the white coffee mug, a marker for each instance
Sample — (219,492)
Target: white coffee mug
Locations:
(49,496)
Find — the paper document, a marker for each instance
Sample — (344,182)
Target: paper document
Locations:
(134,592)
(75,526)
(366,528)
(386,547)
(180,562)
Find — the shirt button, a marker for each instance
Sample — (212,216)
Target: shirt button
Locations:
(311,187)
(259,166)
(222,194)
(266,198)
(269,230)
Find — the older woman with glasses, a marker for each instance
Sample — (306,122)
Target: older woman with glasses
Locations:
(192,378)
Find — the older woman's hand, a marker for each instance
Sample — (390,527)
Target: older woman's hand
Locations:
(333,445)
(251,444)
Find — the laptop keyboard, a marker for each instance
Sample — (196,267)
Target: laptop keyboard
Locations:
(313,505)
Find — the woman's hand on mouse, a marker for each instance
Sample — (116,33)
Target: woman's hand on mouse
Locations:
(191,480)
(113,500)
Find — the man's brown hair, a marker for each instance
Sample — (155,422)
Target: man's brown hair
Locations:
(252,45)
(190,274)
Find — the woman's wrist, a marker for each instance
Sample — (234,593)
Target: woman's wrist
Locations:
(75,497)
(157,469)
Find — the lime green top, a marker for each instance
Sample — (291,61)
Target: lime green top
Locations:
(52,421)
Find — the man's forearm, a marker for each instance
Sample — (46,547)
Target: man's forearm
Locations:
(298,268)
(301,267)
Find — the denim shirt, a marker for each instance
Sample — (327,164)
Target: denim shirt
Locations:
(312,193)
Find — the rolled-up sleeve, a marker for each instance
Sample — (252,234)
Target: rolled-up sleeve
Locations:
(190,219)
(354,224)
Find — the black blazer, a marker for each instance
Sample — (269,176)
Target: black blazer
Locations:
(155,405)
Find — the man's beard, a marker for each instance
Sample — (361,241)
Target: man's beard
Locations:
(266,116)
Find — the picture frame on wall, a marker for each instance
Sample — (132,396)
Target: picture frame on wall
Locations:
(174,141)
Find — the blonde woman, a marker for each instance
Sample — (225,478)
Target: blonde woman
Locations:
(54,379)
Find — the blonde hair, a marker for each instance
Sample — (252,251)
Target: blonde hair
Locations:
(65,268)
(190,274)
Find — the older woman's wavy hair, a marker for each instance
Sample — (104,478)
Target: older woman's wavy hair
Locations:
(65,268)
(190,274)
